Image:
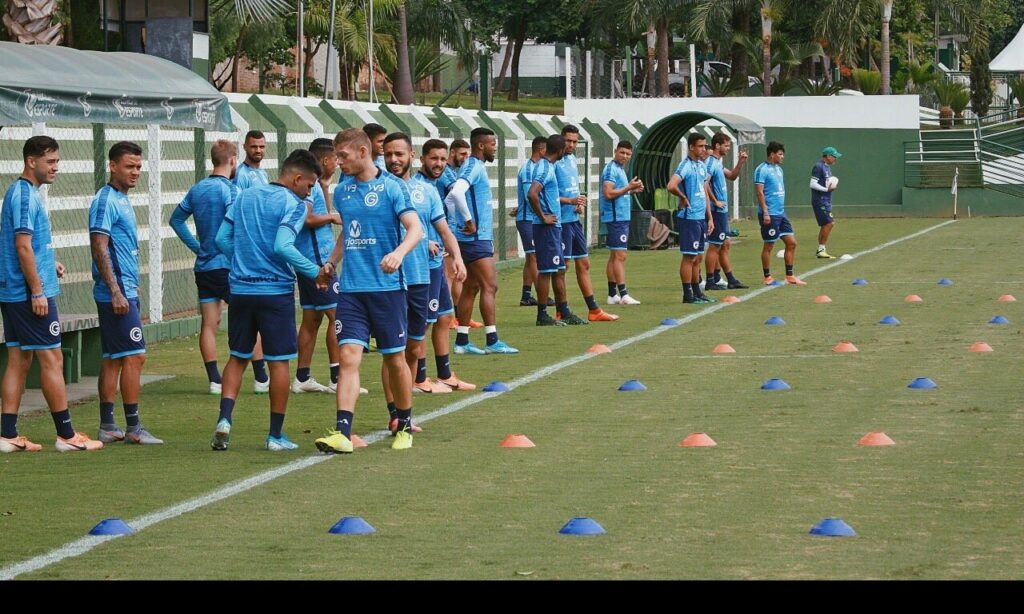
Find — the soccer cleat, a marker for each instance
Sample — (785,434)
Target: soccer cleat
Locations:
(528,302)
(456,384)
(393,426)
(403,441)
(600,315)
(469,348)
(796,281)
(824,255)
(545,319)
(737,285)
(574,320)
(475,324)
(77,443)
(215,388)
(110,433)
(498,348)
(261,387)
(364,391)
(703,300)
(614,300)
(332,387)
(628,300)
(18,444)
(280,444)
(310,385)
(141,436)
(722,284)
(221,436)
(687,300)
(334,442)
(430,387)
(713,287)
(769,281)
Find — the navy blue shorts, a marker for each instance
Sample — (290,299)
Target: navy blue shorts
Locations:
(476,250)
(272,316)
(574,242)
(721,232)
(417,298)
(618,235)
(692,236)
(525,229)
(381,313)
(440,299)
(778,227)
(23,329)
(213,286)
(120,336)
(547,238)
(823,213)
(321,300)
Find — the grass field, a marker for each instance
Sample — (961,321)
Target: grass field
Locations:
(944,502)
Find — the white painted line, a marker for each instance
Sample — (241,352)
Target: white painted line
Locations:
(85,544)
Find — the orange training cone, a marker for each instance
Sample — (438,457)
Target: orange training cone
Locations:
(357,441)
(723,348)
(822,299)
(845,347)
(876,439)
(517,441)
(598,348)
(728,300)
(981,346)
(913,298)
(697,440)
(1007,298)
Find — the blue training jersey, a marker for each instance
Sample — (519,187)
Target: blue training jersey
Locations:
(248,176)
(619,209)
(568,176)
(111,214)
(694,174)
(770,176)
(435,213)
(371,212)
(478,198)
(24,214)
(544,174)
(316,244)
(523,182)
(446,180)
(718,183)
(820,174)
(416,265)
(207,202)
(380,163)
(257,215)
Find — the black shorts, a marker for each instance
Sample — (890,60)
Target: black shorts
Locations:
(120,336)
(272,317)
(213,286)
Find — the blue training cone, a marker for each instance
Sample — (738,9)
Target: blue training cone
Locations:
(922,383)
(632,385)
(669,322)
(945,281)
(496,386)
(112,526)
(833,527)
(774,321)
(860,281)
(582,525)
(351,525)
(999,320)
(889,320)
(775,384)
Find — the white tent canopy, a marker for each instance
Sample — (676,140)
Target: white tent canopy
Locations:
(1011,58)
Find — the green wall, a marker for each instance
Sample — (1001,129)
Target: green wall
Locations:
(939,202)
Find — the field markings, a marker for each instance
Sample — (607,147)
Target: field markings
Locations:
(86,544)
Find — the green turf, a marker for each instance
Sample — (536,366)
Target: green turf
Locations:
(943,503)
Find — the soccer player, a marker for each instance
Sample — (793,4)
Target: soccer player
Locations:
(470,197)
(373,204)
(547,237)
(523,219)
(457,155)
(28,288)
(821,198)
(316,243)
(114,241)
(258,237)
(574,241)
(616,210)
(249,173)
(377,133)
(719,241)
(441,311)
(689,183)
(771,202)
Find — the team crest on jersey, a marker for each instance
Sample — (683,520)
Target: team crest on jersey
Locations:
(136,334)
(371,199)
(55,329)
(434,304)
(418,197)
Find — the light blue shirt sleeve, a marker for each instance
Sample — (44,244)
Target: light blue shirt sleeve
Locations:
(760,174)
(284,246)
(102,215)
(178,219)
(226,237)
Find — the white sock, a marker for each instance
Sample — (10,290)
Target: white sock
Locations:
(821,247)
(490,329)
(462,329)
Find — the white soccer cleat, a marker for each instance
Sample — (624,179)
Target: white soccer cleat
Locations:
(215,388)
(614,300)
(310,385)
(261,387)
(628,300)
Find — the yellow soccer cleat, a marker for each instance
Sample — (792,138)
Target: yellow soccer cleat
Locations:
(334,442)
(403,441)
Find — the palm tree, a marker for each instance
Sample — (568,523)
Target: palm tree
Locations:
(32,22)
(247,12)
(403,78)
(663,15)
(886,18)
(709,12)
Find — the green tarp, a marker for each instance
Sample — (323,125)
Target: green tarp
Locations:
(42,83)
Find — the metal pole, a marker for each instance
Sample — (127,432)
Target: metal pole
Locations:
(589,76)
(568,73)
(302,69)
(330,48)
(373,72)
(693,71)
(629,72)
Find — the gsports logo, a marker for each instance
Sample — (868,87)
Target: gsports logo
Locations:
(136,334)
(433,304)
(54,329)
(127,108)
(205,113)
